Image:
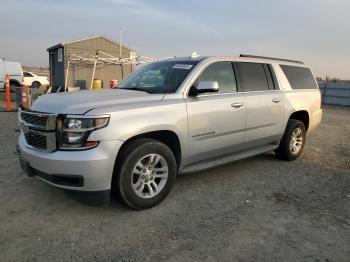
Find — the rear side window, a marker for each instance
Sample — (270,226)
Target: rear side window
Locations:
(299,77)
(222,72)
(254,77)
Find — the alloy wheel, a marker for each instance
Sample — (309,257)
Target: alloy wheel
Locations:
(296,141)
(149,176)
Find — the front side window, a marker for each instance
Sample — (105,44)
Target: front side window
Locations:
(299,77)
(26,74)
(221,72)
(253,76)
(159,77)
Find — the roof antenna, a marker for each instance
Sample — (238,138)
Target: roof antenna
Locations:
(194,54)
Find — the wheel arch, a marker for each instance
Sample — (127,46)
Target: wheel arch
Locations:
(36,81)
(168,137)
(15,82)
(301,115)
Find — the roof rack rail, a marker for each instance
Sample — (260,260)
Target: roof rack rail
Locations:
(271,58)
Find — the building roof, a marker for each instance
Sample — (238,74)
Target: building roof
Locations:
(89,38)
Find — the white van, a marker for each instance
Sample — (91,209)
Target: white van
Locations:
(14,70)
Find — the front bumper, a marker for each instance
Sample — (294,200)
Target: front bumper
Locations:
(89,170)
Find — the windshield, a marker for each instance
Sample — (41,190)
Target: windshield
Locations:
(159,77)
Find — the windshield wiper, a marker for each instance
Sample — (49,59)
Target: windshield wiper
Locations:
(135,88)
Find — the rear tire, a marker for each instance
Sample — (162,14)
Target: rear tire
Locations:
(36,84)
(292,142)
(145,173)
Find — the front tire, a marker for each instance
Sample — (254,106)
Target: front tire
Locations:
(13,87)
(292,142)
(145,174)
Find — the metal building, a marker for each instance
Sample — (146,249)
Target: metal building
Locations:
(77,63)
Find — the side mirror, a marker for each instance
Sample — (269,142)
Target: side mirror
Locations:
(205,87)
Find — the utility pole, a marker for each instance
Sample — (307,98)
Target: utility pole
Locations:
(120,50)
(120,42)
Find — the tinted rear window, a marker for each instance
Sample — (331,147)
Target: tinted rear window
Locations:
(253,76)
(299,77)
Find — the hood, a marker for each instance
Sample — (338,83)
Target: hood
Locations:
(83,101)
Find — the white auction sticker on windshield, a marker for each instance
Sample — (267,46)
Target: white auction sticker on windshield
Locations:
(182,66)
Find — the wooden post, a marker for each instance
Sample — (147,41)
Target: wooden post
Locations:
(93,71)
(66,80)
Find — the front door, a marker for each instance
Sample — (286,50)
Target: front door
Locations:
(216,120)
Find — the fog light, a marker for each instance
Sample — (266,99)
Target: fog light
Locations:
(74,137)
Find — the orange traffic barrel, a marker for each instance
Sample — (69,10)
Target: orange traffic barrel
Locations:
(24,96)
(8,93)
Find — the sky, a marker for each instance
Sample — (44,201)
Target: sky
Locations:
(314,31)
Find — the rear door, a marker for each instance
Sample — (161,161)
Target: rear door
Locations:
(216,120)
(264,117)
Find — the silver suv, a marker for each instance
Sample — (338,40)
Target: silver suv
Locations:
(174,116)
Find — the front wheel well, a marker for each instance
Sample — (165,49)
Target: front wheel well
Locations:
(14,83)
(302,116)
(169,138)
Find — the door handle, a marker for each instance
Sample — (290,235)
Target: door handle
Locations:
(237,105)
(276,100)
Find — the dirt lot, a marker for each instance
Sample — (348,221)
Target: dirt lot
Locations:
(259,209)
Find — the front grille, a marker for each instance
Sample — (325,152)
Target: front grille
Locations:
(36,140)
(34,119)
(39,129)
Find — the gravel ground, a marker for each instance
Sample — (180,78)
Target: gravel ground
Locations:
(258,209)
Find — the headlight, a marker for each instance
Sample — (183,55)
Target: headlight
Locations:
(73,131)
(74,123)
